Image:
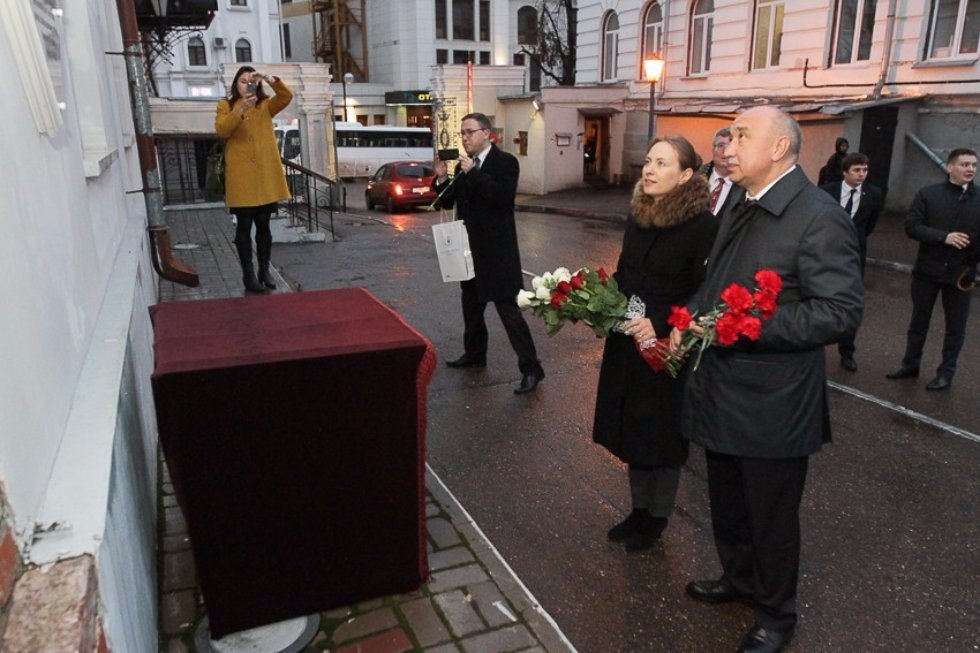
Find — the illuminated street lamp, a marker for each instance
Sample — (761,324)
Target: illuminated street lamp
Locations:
(348,79)
(653,68)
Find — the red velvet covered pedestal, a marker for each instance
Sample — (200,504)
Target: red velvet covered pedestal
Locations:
(293,426)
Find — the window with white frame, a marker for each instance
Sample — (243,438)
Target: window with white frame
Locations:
(196,54)
(954,28)
(610,47)
(243,51)
(702,24)
(768,33)
(653,31)
(527,26)
(854,26)
(239,3)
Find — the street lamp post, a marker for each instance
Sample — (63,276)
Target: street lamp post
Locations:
(348,79)
(653,68)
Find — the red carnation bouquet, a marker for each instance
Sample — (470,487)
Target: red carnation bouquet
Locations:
(590,296)
(740,315)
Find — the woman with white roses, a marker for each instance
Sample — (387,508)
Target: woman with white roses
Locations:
(668,236)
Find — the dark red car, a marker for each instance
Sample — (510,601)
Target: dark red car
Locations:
(401,184)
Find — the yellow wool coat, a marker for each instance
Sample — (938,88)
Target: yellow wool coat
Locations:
(253,171)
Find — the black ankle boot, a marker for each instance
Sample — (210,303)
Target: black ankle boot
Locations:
(648,531)
(251,283)
(244,247)
(626,528)
(265,278)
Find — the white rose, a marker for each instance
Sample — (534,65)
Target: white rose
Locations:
(524,299)
(546,277)
(542,293)
(536,283)
(562,274)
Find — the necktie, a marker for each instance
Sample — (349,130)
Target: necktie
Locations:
(850,202)
(476,164)
(716,193)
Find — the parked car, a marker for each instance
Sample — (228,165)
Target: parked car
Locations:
(401,184)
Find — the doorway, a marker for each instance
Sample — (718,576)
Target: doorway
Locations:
(877,139)
(595,150)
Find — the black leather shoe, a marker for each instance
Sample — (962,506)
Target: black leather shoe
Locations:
(715,591)
(251,284)
(529,383)
(466,361)
(624,529)
(941,382)
(765,640)
(648,531)
(848,363)
(266,279)
(903,373)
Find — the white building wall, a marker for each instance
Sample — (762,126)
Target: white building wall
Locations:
(78,441)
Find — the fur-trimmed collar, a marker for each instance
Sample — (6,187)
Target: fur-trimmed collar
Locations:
(674,208)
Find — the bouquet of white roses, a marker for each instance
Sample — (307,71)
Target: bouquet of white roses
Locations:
(590,296)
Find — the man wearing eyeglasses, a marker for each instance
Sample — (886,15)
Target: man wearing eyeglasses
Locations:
(717,172)
(483,190)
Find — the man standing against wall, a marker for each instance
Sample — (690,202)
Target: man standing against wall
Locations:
(945,219)
(717,173)
(760,408)
(483,191)
(863,203)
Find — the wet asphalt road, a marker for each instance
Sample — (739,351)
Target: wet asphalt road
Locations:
(890,529)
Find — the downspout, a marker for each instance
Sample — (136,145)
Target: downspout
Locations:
(886,58)
(164,262)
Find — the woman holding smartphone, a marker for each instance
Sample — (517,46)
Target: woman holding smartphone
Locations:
(254,178)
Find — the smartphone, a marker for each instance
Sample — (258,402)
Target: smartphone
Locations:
(250,88)
(450,154)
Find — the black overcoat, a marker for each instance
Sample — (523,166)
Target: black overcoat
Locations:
(637,415)
(484,201)
(936,211)
(866,217)
(768,399)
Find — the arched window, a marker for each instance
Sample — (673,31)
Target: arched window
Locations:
(610,47)
(653,31)
(527,26)
(243,51)
(196,55)
(702,23)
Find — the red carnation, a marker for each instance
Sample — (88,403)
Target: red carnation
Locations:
(577,281)
(557,299)
(603,275)
(750,327)
(738,298)
(679,318)
(564,287)
(769,281)
(726,328)
(766,302)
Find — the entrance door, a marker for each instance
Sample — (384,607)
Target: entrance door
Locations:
(595,150)
(877,138)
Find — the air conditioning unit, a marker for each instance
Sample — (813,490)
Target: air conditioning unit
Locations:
(218,42)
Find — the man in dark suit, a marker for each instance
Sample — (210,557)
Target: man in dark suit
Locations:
(945,219)
(760,408)
(716,170)
(483,191)
(863,202)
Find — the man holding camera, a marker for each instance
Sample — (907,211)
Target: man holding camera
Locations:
(483,190)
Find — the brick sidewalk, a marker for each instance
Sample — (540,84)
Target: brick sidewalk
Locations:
(472,602)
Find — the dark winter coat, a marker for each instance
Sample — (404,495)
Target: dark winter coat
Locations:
(662,262)
(831,172)
(767,399)
(484,200)
(936,211)
(866,217)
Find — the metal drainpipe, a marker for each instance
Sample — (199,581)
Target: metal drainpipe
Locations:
(887,55)
(164,262)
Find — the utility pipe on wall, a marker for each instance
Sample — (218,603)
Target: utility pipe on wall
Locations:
(886,57)
(164,262)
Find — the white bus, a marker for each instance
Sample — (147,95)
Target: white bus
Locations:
(362,150)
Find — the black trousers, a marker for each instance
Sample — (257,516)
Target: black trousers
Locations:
(755,515)
(956,309)
(259,216)
(476,337)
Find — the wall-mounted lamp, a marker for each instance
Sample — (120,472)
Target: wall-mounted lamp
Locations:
(536,103)
(653,68)
(348,79)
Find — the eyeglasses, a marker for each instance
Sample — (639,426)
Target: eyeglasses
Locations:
(720,145)
(469,132)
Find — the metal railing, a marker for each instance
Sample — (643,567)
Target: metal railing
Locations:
(183,163)
(312,196)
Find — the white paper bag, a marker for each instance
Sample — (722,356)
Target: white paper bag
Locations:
(453,250)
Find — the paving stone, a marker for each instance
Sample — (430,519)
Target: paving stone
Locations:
(442,533)
(169,501)
(424,622)
(177,612)
(178,571)
(174,543)
(174,522)
(431,510)
(446,558)
(546,632)
(338,613)
(459,612)
(512,638)
(474,537)
(392,641)
(365,625)
(456,577)
(368,606)
(486,596)
(443,648)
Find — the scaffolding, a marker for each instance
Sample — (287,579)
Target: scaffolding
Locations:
(339,35)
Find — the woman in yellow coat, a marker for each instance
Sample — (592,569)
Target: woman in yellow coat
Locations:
(254,179)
